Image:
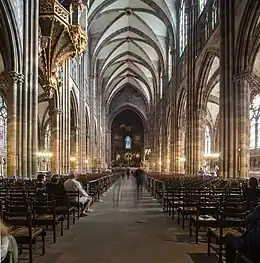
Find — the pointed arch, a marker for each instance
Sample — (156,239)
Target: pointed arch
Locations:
(10,45)
(243,54)
(204,71)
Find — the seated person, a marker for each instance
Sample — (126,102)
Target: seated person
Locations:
(40,187)
(9,249)
(54,187)
(248,243)
(72,185)
(252,193)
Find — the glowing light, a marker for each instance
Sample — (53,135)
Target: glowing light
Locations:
(44,154)
(212,155)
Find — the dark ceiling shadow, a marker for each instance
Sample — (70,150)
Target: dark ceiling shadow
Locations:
(203,258)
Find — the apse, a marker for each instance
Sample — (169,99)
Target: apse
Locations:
(127,139)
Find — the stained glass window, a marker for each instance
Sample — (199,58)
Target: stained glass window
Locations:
(47,139)
(207,140)
(3,136)
(183,27)
(128,142)
(202,4)
(255,123)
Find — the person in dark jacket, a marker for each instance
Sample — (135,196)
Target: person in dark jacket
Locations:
(40,187)
(55,187)
(128,172)
(248,243)
(140,177)
(252,193)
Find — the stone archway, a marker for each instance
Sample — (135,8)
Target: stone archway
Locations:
(11,80)
(127,139)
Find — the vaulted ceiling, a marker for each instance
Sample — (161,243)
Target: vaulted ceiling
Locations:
(129,44)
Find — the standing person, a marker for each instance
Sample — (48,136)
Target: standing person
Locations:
(128,172)
(117,193)
(85,200)
(140,177)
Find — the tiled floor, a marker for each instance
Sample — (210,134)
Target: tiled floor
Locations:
(130,233)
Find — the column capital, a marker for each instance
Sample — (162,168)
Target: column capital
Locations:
(173,51)
(14,77)
(200,113)
(56,111)
(248,80)
(242,77)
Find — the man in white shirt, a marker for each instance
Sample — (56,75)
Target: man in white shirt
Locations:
(72,185)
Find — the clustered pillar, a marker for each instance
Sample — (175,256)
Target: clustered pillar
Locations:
(190,107)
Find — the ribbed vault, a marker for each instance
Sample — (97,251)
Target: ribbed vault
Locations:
(130,43)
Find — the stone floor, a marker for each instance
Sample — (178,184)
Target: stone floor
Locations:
(131,233)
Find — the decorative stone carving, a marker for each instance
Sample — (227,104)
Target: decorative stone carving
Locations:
(242,76)
(61,38)
(56,112)
(13,77)
(246,78)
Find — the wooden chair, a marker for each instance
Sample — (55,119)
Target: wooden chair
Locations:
(64,207)
(74,200)
(207,214)
(175,202)
(44,214)
(188,207)
(23,229)
(230,222)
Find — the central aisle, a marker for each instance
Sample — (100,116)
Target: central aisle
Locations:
(130,233)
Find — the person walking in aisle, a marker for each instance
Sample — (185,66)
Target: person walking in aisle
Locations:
(140,177)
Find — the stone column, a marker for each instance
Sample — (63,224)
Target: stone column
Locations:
(25,89)
(65,125)
(19,124)
(146,143)
(55,140)
(191,95)
(108,147)
(35,80)
(12,84)
(174,126)
(77,155)
(82,109)
(179,151)
(174,114)
(164,132)
(228,94)
(243,123)
(200,117)
(92,148)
